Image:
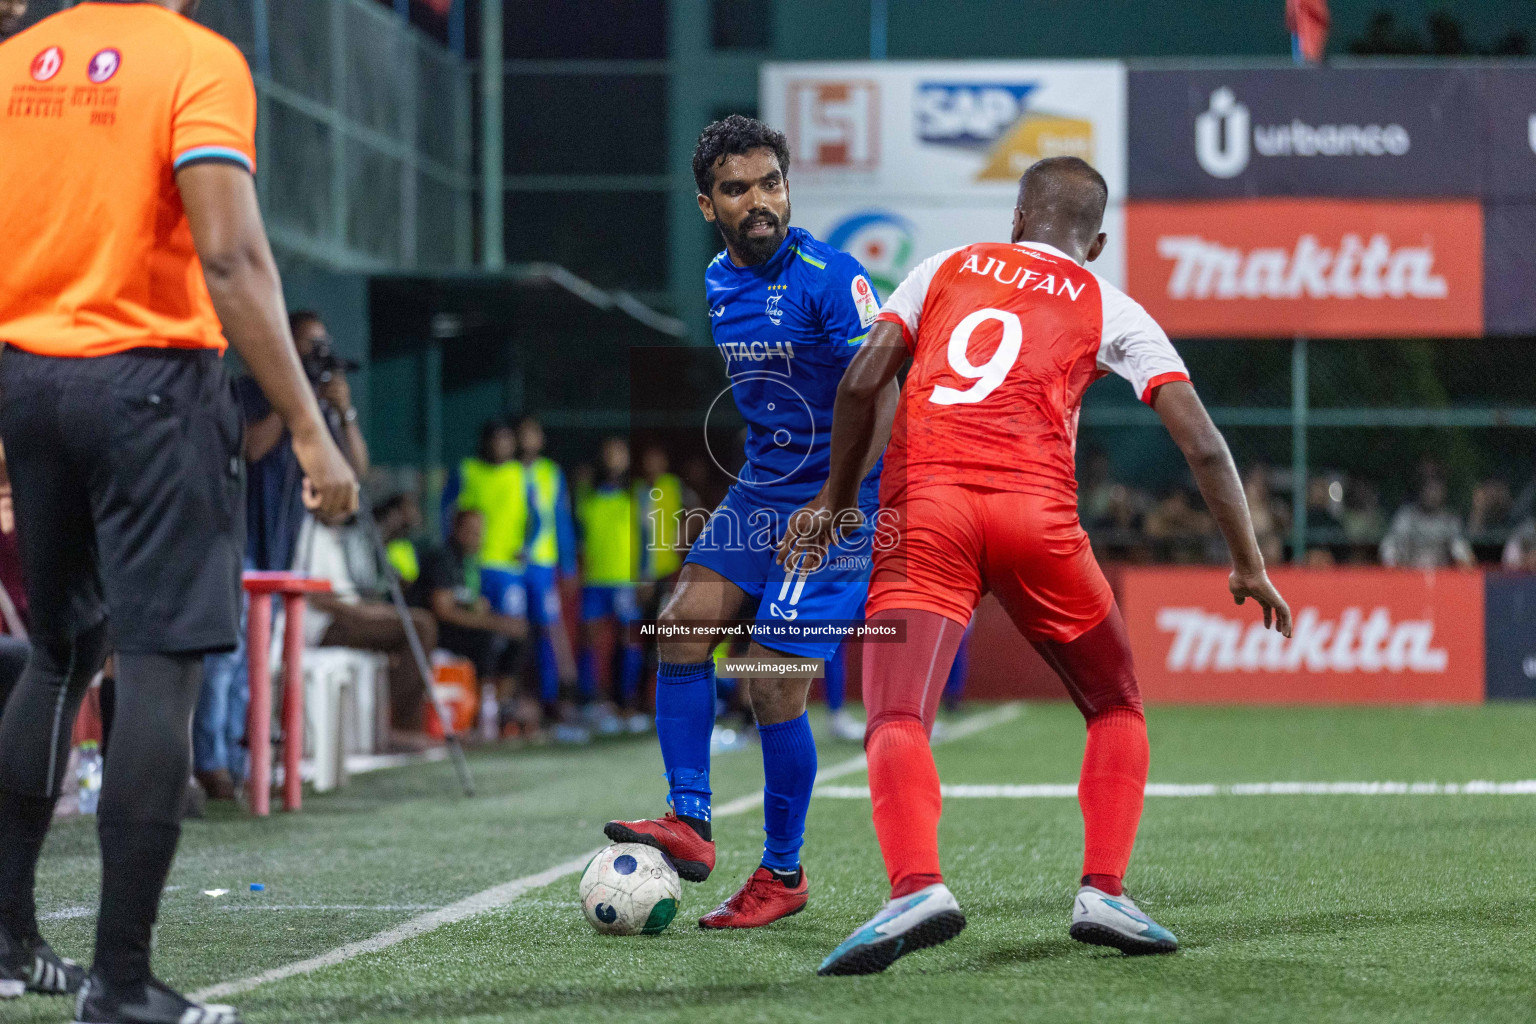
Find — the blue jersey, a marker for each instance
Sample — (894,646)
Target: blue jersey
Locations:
(788,328)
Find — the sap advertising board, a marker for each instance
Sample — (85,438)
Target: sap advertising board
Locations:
(896,161)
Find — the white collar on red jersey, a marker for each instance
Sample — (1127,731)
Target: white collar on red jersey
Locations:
(1042,247)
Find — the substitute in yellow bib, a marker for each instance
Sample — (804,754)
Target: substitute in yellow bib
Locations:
(495,484)
(551,555)
(610,566)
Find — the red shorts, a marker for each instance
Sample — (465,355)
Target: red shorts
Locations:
(952,544)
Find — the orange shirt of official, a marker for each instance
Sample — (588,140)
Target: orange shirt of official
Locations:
(100,106)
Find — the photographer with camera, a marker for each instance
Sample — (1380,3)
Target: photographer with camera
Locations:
(274,514)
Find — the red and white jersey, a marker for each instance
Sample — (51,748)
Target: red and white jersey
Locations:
(1005,339)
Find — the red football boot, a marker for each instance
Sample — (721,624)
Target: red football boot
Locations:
(763,900)
(691,853)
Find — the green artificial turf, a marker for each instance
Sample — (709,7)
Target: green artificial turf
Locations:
(1289,908)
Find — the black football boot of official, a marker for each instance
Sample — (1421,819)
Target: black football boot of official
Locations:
(149,1002)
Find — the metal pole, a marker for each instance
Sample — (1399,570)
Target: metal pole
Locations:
(261,39)
(878,21)
(492,81)
(456,31)
(1299,475)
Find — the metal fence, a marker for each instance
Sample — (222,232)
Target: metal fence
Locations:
(363,137)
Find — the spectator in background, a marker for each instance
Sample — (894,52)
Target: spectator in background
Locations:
(274,512)
(1492,504)
(1520,549)
(399,521)
(1362,521)
(1425,534)
(449,587)
(551,555)
(1101,502)
(609,529)
(274,506)
(12,14)
(1182,532)
(1270,517)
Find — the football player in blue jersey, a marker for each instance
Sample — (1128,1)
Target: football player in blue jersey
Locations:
(787,313)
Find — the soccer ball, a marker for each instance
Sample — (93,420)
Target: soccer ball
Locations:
(630,889)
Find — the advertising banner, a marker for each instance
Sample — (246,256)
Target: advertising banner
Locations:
(896,130)
(1510,117)
(1212,133)
(1509,264)
(1362,636)
(1317,267)
(1510,600)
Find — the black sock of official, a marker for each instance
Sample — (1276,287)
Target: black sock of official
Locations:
(699,825)
(24,824)
(135,859)
(789,878)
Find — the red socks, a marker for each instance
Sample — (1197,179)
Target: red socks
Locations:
(904,787)
(1111,791)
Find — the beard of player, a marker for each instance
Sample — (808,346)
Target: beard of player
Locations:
(755,250)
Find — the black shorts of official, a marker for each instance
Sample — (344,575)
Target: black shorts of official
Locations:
(494,655)
(129,490)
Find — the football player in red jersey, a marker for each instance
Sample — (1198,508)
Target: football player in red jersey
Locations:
(1004,339)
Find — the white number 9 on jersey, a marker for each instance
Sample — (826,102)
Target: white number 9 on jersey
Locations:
(989,374)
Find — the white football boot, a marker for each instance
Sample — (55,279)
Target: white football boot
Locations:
(925,918)
(1100,919)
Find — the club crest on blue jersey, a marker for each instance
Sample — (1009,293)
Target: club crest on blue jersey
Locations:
(772,311)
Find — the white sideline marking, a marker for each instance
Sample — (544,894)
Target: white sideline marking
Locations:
(67,914)
(74,913)
(1525,787)
(500,895)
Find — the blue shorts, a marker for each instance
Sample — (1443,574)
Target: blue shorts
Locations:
(740,542)
(503,588)
(543,595)
(618,602)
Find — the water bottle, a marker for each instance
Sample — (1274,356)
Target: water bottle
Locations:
(490,714)
(88,775)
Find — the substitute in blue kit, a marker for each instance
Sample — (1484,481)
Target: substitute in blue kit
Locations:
(787,313)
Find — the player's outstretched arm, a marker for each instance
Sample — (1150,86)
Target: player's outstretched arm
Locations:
(866,404)
(220,201)
(1206,451)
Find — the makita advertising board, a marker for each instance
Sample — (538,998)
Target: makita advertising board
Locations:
(1305,132)
(1362,636)
(898,132)
(1325,268)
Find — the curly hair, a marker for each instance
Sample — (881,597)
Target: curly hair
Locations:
(733,136)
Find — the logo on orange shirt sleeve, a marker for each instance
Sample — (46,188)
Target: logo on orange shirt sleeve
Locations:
(47,64)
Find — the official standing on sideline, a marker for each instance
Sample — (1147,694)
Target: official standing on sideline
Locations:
(129,230)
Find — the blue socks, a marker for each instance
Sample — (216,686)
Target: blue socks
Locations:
(685,716)
(836,681)
(789,772)
(631,662)
(586,674)
(549,668)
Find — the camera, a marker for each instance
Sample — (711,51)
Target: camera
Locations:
(322,363)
